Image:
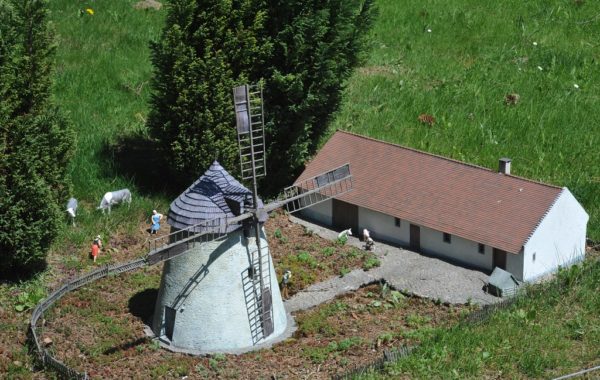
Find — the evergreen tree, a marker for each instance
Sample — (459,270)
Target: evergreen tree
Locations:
(8,45)
(206,47)
(317,44)
(36,140)
(303,50)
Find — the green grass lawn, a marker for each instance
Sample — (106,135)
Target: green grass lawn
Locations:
(102,81)
(552,331)
(457,60)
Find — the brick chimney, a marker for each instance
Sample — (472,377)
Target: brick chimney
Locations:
(504,166)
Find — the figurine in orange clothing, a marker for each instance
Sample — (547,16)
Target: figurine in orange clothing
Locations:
(96,245)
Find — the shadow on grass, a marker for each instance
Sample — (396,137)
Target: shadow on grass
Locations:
(127,345)
(141,304)
(140,159)
(15,275)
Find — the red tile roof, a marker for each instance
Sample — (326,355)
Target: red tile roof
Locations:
(465,200)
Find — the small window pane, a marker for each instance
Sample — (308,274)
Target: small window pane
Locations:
(481,248)
(397,222)
(447,238)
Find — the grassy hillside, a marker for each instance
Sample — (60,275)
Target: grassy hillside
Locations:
(102,81)
(457,60)
(551,332)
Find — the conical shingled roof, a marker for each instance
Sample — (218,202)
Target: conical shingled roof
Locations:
(212,196)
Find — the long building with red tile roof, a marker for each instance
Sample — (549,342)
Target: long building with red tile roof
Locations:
(440,206)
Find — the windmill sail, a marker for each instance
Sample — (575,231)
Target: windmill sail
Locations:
(177,243)
(294,198)
(314,190)
(250,130)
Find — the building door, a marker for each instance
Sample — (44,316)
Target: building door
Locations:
(415,238)
(345,215)
(170,314)
(499,259)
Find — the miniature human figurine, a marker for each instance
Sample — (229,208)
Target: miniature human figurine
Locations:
(285,280)
(155,218)
(96,245)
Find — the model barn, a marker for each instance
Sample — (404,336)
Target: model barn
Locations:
(450,209)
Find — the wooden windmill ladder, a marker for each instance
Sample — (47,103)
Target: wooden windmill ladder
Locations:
(248,102)
(257,292)
(251,130)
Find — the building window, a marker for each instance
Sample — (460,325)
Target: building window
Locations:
(447,238)
(397,222)
(533,256)
(481,248)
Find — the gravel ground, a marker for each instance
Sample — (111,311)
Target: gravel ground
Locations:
(404,270)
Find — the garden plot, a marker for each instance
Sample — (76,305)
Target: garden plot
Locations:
(100,328)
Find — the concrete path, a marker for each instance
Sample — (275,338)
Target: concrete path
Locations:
(404,270)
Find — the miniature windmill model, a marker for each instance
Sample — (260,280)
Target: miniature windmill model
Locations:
(219,289)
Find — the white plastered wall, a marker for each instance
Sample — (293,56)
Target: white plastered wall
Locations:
(382,227)
(514,264)
(459,249)
(321,213)
(559,240)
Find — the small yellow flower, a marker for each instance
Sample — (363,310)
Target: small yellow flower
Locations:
(89,11)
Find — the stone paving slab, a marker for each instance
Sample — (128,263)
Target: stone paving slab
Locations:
(407,271)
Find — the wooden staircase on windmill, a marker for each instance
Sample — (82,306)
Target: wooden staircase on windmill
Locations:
(258,295)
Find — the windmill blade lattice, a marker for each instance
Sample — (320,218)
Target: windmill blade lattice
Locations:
(314,190)
(249,118)
(294,198)
(248,103)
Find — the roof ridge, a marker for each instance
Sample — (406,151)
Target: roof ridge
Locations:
(445,158)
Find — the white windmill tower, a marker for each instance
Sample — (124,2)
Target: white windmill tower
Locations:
(219,291)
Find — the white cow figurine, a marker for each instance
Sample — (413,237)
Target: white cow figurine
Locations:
(113,198)
(72,209)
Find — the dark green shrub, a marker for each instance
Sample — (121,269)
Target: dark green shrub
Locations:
(303,51)
(36,141)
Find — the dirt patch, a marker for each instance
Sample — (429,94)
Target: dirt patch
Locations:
(92,330)
(147,4)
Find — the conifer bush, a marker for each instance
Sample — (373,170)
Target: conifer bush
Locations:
(35,139)
(205,48)
(316,46)
(302,51)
